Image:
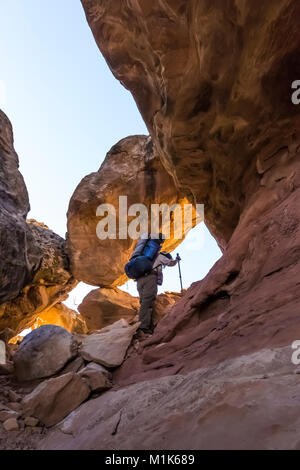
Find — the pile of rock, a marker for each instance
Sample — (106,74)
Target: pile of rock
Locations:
(58,371)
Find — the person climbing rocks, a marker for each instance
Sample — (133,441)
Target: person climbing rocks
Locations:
(145,267)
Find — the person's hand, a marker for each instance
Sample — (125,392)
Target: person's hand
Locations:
(178,257)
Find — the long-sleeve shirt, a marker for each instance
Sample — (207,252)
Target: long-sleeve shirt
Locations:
(161,261)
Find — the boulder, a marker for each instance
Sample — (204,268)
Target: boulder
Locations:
(55,398)
(102,307)
(97,377)
(228,406)
(131,169)
(30,421)
(108,347)
(43,352)
(15,406)
(11,424)
(73,366)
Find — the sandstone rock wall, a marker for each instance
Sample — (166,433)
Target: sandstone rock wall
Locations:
(34,267)
(212,81)
(15,267)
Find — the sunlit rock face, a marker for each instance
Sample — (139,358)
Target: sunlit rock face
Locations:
(212,81)
(50,282)
(63,316)
(131,169)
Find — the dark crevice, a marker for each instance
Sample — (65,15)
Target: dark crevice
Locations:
(115,430)
(213,305)
(232,276)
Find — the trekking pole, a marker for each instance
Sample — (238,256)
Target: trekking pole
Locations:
(179,271)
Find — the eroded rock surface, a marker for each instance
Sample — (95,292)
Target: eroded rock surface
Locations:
(231,406)
(97,377)
(212,81)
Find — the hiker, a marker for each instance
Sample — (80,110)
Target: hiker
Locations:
(145,267)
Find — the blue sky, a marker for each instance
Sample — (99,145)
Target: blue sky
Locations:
(67,111)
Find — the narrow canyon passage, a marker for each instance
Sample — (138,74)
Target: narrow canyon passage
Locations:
(214,85)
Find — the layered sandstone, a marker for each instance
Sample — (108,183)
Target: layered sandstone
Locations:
(213,84)
(212,81)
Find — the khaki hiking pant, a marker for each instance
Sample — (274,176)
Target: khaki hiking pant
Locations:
(147,289)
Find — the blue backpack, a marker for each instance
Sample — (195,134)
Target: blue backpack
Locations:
(143,258)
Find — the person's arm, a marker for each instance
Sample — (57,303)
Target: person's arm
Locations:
(165,261)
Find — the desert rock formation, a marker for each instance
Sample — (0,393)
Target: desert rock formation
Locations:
(212,81)
(34,267)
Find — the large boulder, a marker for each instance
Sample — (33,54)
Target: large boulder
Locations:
(102,307)
(108,347)
(43,352)
(131,169)
(55,398)
(97,377)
